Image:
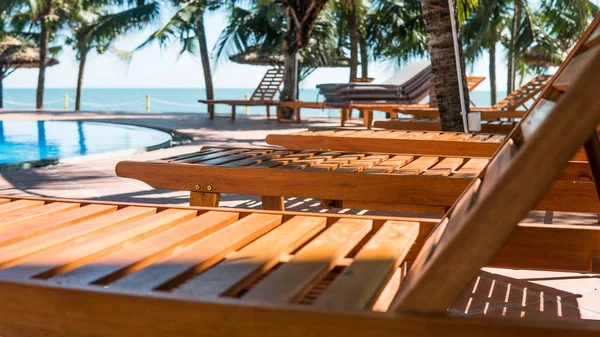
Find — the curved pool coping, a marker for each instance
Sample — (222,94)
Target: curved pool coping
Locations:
(177,138)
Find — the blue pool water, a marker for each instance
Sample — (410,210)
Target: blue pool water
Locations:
(23,141)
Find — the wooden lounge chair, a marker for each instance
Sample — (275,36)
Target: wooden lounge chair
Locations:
(73,268)
(263,95)
(435,143)
(493,118)
(376,181)
(366,109)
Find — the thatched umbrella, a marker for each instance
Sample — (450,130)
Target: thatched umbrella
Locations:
(539,56)
(15,54)
(307,61)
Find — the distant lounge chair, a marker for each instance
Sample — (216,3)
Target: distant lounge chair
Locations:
(409,85)
(366,108)
(264,94)
(115,269)
(427,118)
(423,184)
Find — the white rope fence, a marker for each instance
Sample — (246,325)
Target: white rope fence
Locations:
(66,99)
(112,105)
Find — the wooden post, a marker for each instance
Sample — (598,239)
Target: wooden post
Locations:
(268,111)
(204,199)
(233,112)
(211,112)
(273,203)
(297,112)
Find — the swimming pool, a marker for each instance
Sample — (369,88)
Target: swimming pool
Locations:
(31,141)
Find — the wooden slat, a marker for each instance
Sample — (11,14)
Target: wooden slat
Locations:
(19,205)
(258,159)
(290,281)
(471,168)
(359,285)
(18,252)
(155,248)
(237,270)
(445,167)
(203,158)
(417,166)
(574,69)
(40,226)
(91,247)
(4,201)
(44,212)
(536,117)
(201,255)
(390,165)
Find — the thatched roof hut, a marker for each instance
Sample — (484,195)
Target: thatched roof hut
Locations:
(538,56)
(17,54)
(256,56)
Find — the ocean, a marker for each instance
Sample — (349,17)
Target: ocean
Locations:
(168,100)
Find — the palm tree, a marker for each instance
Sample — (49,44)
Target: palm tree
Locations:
(436,16)
(187,26)
(46,17)
(300,17)
(482,31)
(284,27)
(94,26)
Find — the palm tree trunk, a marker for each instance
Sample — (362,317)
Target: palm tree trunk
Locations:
(436,16)
(354,38)
(82,59)
(364,58)
(512,57)
(290,82)
(493,73)
(44,41)
(208,83)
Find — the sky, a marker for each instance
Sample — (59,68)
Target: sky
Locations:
(156,67)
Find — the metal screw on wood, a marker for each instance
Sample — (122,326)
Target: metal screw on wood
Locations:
(198,187)
(209,187)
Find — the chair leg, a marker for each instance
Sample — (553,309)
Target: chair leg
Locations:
(204,199)
(268,111)
(273,203)
(343,112)
(211,111)
(297,112)
(233,112)
(368,118)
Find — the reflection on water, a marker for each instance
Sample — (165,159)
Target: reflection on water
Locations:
(22,141)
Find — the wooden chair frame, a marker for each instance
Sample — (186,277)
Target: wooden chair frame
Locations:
(263,95)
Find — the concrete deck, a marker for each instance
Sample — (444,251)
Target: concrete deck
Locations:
(516,294)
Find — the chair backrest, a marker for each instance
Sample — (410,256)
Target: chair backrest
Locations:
(474,81)
(517,176)
(269,85)
(523,94)
(409,73)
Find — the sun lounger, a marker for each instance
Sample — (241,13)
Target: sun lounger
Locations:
(393,182)
(409,85)
(263,95)
(76,268)
(396,141)
(366,108)
(494,118)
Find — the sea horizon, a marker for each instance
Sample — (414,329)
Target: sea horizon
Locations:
(173,100)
